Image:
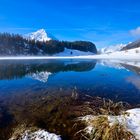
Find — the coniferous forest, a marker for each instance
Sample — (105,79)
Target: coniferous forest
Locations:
(14,44)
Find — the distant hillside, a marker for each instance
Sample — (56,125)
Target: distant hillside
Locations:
(11,44)
(111,49)
(132,45)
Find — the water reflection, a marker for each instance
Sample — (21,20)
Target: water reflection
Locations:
(135,81)
(43,68)
(51,94)
(133,66)
(19,69)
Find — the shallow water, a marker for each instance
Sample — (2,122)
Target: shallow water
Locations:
(49,94)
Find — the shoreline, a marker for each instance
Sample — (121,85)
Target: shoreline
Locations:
(105,57)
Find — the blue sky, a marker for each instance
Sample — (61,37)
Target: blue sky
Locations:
(104,22)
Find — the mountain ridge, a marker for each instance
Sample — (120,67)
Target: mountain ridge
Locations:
(112,48)
(132,45)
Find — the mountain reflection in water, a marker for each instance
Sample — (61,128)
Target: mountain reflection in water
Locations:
(18,69)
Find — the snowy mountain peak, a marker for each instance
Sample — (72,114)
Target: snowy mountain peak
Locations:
(39,35)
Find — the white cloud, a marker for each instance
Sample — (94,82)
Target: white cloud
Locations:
(135,32)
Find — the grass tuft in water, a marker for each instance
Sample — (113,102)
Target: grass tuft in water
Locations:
(103,130)
(111,108)
(98,127)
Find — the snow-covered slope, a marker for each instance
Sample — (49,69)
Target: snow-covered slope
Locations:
(132,53)
(70,52)
(39,35)
(121,55)
(132,45)
(111,49)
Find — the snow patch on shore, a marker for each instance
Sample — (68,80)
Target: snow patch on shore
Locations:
(39,135)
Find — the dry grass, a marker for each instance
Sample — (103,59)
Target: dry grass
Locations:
(104,131)
(102,128)
(111,108)
(20,130)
